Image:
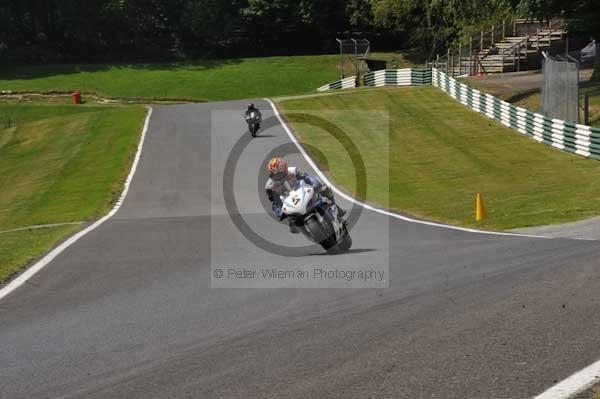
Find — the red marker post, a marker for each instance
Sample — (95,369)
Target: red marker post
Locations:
(76,95)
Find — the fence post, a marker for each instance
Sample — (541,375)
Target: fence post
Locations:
(452,65)
(341,59)
(514,27)
(577,91)
(448,62)
(481,42)
(470,55)
(459,59)
(493,34)
(586,108)
(355,57)
(503,28)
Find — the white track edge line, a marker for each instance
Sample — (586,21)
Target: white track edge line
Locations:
(374,209)
(576,383)
(565,389)
(49,257)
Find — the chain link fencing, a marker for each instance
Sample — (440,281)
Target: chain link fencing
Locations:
(560,87)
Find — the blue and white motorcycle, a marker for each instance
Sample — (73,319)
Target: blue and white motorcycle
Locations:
(316,217)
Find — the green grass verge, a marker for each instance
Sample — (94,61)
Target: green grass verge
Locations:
(201,80)
(58,164)
(441,155)
(19,248)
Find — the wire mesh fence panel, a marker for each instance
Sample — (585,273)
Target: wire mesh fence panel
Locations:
(352,52)
(560,88)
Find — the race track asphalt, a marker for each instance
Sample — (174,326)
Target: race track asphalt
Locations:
(128,311)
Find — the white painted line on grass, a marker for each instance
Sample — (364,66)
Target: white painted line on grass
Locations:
(372,208)
(578,382)
(30,272)
(40,226)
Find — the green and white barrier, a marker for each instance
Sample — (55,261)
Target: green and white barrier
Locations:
(387,77)
(398,77)
(346,83)
(567,136)
(420,76)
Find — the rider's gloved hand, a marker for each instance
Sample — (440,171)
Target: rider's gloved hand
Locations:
(279,213)
(315,183)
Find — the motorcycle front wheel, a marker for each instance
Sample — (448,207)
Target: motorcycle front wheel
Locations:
(346,243)
(253,129)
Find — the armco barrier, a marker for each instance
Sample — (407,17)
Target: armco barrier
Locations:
(568,136)
(387,77)
(346,83)
(398,77)
(420,76)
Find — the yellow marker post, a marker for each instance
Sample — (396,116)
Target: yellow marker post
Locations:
(480,212)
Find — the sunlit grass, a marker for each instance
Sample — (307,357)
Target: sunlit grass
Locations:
(59,164)
(201,80)
(441,155)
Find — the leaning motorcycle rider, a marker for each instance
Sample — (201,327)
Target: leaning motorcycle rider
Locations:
(281,181)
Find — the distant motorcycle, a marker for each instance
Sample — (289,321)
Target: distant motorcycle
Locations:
(317,218)
(253,119)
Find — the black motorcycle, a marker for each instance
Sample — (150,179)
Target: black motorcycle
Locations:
(253,118)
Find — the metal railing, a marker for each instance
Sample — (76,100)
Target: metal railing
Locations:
(470,57)
(470,49)
(515,52)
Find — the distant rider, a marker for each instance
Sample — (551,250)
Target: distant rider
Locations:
(251,108)
(281,180)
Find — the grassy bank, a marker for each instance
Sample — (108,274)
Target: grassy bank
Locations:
(441,155)
(201,80)
(531,101)
(59,164)
(516,89)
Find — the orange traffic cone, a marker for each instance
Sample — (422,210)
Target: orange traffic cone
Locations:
(480,212)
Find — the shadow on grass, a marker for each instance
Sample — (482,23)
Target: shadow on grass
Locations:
(591,87)
(414,56)
(522,95)
(21,72)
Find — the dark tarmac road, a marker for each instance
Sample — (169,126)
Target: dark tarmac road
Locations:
(128,311)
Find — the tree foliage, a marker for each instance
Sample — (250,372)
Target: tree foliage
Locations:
(66,30)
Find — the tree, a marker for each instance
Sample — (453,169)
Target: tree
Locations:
(359,14)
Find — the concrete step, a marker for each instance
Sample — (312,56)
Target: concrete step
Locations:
(501,57)
(514,38)
(505,44)
(552,32)
(507,54)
